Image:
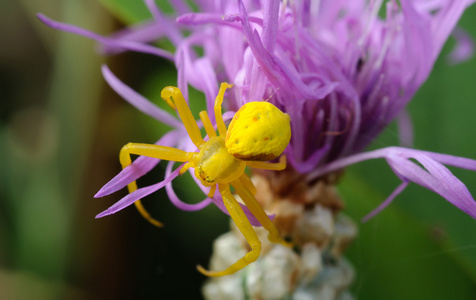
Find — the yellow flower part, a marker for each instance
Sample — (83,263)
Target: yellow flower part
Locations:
(258,131)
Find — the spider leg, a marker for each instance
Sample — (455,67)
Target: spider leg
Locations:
(172,93)
(246,180)
(246,229)
(156,151)
(218,101)
(281,165)
(207,124)
(212,191)
(253,205)
(186,167)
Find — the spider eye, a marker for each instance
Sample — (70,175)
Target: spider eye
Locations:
(258,131)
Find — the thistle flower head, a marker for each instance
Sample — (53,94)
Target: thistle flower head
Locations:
(340,70)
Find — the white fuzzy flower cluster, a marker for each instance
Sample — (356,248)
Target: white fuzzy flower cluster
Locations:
(316,271)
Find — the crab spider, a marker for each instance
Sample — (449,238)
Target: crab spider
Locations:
(258,132)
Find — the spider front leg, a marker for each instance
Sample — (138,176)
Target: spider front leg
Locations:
(218,102)
(207,124)
(155,151)
(173,96)
(246,229)
(253,205)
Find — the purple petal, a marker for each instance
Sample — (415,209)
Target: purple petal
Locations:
(292,76)
(199,73)
(347,161)
(389,200)
(232,51)
(128,45)
(208,83)
(418,44)
(228,115)
(445,22)
(407,169)
(354,127)
(192,19)
(176,201)
(138,101)
(448,186)
(405,129)
(270,24)
(298,141)
(181,6)
(260,82)
(172,31)
(464,47)
(154,10)
(456,161)
(269,64)
(141,33)
(326,63)
(137,194)
(138,168)
(182,81)
(436,177)
(311,163)
(215,18)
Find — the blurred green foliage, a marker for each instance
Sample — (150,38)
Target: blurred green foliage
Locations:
(59,144)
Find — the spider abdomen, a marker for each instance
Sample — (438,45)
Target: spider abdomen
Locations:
(258,131)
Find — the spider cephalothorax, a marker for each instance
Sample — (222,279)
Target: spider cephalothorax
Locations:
(209,171)
(258,132)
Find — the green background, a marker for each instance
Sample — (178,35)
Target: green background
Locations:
(61,128)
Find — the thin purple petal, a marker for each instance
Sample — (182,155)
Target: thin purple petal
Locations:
(464,47)
(436,177)
(274,72)
(140,33)
(136,195)
(384,204)
(405,129)
(154,10)
(138,101)
(309,164)
(176,201)
(456,161)
(201,18)
(270,24)
(418,44)
(128,45)
(192,19)
(445,22)
(171,31)
(137,169)
(448,186)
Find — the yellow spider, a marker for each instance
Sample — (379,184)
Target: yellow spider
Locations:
(259,131)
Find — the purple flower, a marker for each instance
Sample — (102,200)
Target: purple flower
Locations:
(341,71)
